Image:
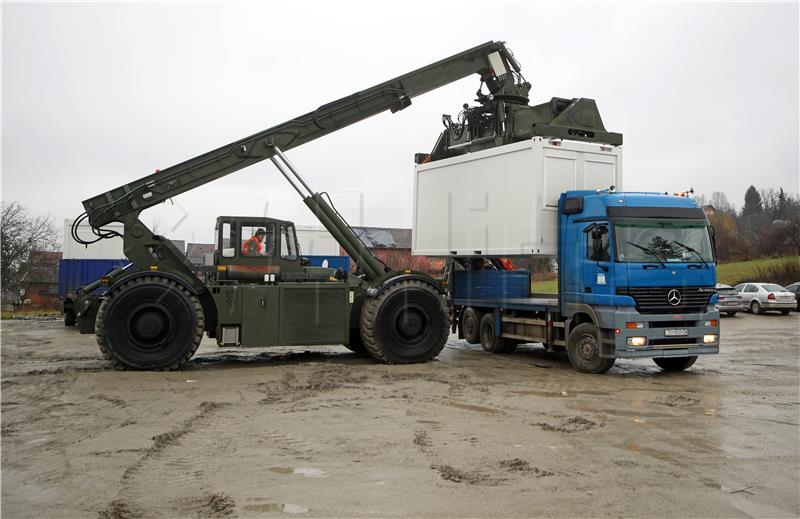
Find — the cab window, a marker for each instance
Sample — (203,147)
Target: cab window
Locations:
(257,239)
(288,245)
(226,240)
(597,255)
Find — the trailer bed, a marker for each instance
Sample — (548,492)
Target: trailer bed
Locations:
(535,302)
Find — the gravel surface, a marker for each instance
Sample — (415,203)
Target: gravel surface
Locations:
(319,432)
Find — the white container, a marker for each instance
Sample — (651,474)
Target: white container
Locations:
(104,249)
(316,241)
(503,201)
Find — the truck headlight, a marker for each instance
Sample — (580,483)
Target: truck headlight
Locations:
(636,341)
(710,339)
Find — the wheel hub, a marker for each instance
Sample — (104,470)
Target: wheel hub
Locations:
(588,348)
(410,324)
(149,325)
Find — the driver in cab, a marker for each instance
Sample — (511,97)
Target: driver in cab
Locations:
(254,246)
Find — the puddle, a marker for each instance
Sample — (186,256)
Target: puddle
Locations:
(553,394)
(309,472)
(757,509)
(473,407)
(288,508)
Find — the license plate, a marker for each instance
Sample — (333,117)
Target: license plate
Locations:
(676,332)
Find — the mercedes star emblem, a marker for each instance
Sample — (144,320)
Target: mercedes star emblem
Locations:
(674,297)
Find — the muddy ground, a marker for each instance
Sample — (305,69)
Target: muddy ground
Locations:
(315,432)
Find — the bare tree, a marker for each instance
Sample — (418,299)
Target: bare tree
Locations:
(20,234)
(720,202)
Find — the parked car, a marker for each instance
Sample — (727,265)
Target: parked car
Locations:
(794,288)
(760,297)
(730,301)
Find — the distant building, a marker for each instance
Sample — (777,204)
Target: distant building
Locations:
(180,245)
(200,253)
(393,247)
(40,280)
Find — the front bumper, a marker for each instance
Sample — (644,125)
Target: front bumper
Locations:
(654,331)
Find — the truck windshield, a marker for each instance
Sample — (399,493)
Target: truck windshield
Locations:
(669,241)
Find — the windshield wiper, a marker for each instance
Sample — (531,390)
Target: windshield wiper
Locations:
(650,252)
(686,247)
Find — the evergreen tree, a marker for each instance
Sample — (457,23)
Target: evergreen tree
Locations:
(752,203)
(782,205)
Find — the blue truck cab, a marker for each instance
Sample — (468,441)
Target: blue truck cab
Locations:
(636,277)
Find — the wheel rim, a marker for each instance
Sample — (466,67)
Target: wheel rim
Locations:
(409,324)
(469,325)
(755,307)
(149,327)
(587,349)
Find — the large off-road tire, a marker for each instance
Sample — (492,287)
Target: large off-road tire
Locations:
(407,323)
(489,337)
(675,363)
(583,350)
(471,325)
(755,308)
(149,323)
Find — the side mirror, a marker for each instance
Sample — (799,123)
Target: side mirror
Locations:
(713,233)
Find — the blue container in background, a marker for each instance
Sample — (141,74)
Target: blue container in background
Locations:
(74,273)
(334,262)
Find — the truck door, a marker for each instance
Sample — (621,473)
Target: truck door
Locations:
(596,271)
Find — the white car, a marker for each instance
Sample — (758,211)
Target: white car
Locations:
(761,297)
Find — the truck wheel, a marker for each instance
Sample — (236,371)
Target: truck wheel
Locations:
(675,363)
(583,350)
(149,323)
(471,325)
(407,323)
(755,307)
(489,339)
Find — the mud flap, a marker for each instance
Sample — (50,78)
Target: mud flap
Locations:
(607,348)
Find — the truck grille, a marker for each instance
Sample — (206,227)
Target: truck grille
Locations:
(662,300)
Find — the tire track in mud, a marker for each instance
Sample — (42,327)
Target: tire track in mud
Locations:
(169,478)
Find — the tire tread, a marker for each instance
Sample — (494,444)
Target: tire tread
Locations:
(107,350)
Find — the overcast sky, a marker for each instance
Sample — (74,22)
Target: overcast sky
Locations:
(97,95)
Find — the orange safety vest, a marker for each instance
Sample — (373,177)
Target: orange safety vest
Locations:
(252,247)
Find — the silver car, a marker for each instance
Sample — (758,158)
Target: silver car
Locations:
(760,297)
(794,288)
(729,301)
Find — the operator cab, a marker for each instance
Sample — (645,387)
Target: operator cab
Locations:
(261,250)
